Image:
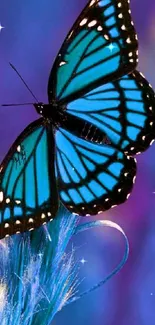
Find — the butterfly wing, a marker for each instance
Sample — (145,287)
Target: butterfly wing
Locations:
(91,177)
(101,46)
(123,110)
(28,195)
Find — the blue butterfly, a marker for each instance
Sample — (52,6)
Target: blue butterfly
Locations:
(100,114)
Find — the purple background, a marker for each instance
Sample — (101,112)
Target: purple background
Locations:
(34,31)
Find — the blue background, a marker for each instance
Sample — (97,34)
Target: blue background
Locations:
(34,31)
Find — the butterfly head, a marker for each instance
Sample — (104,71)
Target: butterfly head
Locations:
(48,111)
(39,108)
(43,109)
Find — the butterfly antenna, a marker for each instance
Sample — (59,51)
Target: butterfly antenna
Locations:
(6,105)
(12,66)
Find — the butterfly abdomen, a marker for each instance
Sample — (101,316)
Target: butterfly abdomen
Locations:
(88,131)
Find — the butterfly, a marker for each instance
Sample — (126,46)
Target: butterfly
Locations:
(100,114)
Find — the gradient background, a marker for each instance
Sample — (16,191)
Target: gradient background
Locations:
(34,31)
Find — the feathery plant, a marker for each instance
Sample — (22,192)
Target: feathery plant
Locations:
(37,277)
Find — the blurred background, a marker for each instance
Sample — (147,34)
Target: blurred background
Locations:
(33,33)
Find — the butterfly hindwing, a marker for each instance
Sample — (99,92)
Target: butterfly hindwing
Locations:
(101,46)
(28,195)
(123,110)
(91,177)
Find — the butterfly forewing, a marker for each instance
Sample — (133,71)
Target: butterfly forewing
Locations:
(28,194)
(101,46)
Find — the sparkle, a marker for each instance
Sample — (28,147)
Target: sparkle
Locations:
(111,47)
(1,27)
(83,261)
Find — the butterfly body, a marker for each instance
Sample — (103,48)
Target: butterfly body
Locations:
(57,116)
(100,113)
